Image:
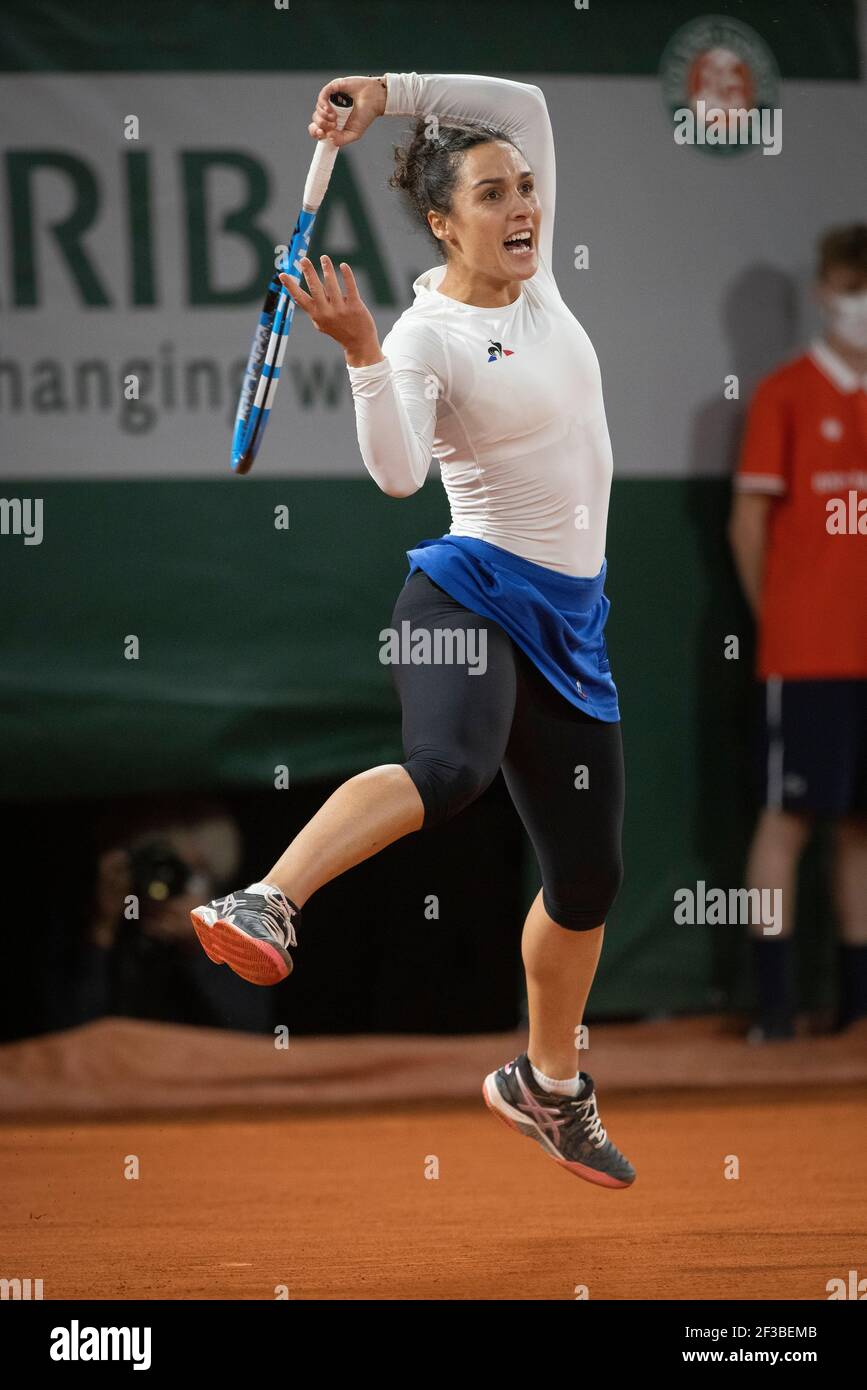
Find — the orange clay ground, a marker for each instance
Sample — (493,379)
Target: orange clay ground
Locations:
(336,1205)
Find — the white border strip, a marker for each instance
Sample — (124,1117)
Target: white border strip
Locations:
(759,482)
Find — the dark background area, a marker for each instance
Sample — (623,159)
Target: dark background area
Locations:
(368,959)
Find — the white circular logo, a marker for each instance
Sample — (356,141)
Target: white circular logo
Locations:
(717,67)
(831,429)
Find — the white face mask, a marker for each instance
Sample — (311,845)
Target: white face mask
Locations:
(846,316)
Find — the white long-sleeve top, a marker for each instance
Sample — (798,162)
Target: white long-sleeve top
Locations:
(522,441)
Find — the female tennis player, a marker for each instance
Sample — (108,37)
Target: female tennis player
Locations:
(488,372)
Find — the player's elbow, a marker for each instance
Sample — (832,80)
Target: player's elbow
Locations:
(407,478)
(399,487)
(536,96)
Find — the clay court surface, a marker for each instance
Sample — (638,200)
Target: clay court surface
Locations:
(333,1202)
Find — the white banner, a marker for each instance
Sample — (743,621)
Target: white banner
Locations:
(142,258)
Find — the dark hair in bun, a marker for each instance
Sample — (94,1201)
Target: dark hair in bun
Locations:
(426,170)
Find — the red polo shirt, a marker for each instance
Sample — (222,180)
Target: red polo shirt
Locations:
(806,445)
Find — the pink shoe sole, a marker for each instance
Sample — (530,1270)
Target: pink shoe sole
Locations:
(258,962)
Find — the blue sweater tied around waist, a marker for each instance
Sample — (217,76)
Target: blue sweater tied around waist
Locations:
(557,619)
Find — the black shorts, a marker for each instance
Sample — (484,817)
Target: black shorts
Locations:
(813,746)
(563,769)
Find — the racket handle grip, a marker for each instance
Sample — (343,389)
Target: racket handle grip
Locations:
(325,154)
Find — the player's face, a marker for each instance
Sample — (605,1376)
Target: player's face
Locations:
(494,201)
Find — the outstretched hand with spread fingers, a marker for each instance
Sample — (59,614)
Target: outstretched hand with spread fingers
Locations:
(334,308)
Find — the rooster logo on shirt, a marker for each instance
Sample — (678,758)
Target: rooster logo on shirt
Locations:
(496,351)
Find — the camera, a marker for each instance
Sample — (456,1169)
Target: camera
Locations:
(157,872)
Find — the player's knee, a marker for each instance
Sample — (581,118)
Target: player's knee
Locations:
(583,902)
(447,785)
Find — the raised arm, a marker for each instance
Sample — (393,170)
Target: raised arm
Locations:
(395,388)
(516,108)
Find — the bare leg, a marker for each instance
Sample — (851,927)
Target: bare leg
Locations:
(850,880)
(364,814)
(775,853)
(560,966)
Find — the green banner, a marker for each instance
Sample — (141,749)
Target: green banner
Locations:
(810,38)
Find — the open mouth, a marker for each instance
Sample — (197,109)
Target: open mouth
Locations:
(520,244)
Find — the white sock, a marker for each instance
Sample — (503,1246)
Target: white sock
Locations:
(262,888)
(572,1086)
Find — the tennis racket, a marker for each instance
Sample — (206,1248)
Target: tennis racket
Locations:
(275,321)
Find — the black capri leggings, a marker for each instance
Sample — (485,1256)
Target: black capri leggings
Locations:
(563,769)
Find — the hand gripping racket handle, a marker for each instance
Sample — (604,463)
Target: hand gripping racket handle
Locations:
(325,155)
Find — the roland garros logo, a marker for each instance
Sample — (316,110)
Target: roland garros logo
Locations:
(720,84)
